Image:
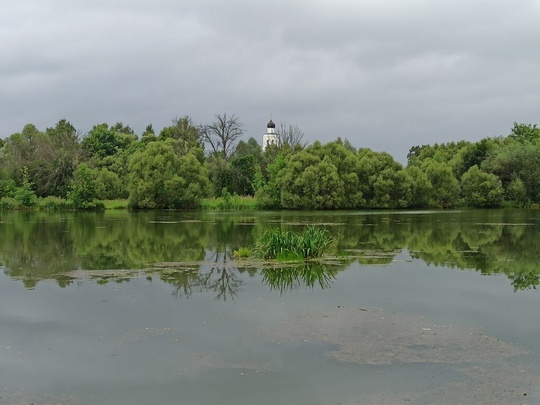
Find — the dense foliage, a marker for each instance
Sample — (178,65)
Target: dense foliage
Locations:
(60,167)
(160,178)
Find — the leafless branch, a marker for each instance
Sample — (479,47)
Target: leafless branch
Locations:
(290,135)
(222,134)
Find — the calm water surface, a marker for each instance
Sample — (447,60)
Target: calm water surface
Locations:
(177,322)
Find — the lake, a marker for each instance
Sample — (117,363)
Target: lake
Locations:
(419,307)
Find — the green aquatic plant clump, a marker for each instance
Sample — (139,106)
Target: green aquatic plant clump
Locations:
(242,253)
(285,245)
(313,242)
(276,243)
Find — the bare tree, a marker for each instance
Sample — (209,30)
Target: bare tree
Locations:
(222,134)
(290,135)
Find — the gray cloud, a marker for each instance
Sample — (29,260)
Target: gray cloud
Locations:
(386,74)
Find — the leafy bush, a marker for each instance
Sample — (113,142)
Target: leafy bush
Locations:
(236,202)
(159,178)
(8,203)
(225,203)
(481,189)
(7,188)
(109,186)
(516,194)
(25,196)
(83,187)
(52,203)
(97,206)
(116,204)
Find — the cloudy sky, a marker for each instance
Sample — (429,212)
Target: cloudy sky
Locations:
(386,74)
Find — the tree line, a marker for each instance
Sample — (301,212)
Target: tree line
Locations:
(185,162)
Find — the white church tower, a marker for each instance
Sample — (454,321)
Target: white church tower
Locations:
(270,138)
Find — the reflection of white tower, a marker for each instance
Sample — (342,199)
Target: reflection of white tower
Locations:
(270,138)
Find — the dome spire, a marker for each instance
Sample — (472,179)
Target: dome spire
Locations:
(270,138)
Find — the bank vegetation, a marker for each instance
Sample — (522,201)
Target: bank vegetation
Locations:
(189,166)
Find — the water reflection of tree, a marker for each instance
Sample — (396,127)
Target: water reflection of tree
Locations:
(220,278)
(38,246)
(182,281)
(524,280)
(215,275)
(225,282)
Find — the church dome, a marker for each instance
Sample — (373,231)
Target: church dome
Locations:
(271,124)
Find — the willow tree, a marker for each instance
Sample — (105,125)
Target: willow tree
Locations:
(160,178)
(481,189)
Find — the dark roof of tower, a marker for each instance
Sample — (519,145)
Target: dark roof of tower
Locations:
(271,124)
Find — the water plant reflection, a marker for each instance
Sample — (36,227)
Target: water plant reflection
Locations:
(306,275)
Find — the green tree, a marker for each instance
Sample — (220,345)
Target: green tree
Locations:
(7,184)
(524,133)
(50,157)
(24,194)
(84,191)
(480,189)
(402,192)
(317,177)
(421,188)
(346,163)
(243,174)
(20,151)
(251,147)
(307,182)
(221,174)
(516,194)
(55,160)
(391,189)
(373,170)
(185,132)
(445,187)
(417,153)
(159,178)
(149,135)
(517,161)
(476,154)
(109,186)
(269,194)
(248,161)
(102,141)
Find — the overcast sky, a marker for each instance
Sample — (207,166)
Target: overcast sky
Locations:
(386,74)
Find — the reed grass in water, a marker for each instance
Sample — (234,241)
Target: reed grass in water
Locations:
(285,245)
